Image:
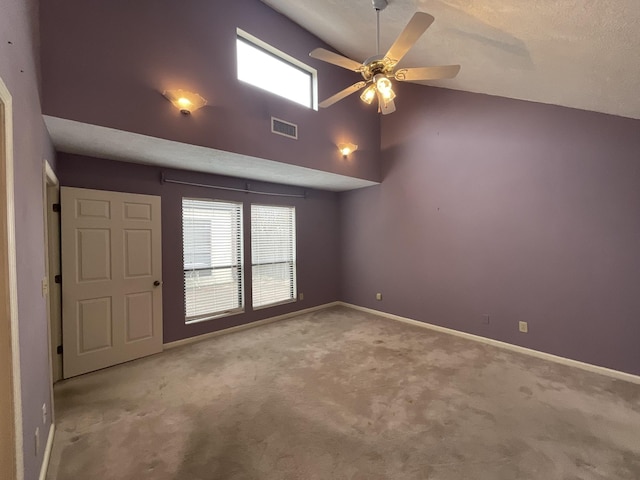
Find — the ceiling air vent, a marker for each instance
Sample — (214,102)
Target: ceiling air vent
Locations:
(284,128)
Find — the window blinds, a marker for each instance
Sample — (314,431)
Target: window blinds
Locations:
(273,254)
(212,251)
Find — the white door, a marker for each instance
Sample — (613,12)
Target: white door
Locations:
(111,278)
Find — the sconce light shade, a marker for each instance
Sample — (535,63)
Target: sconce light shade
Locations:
(347,148)
(184,101)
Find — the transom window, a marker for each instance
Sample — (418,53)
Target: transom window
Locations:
(263,66)
(273,254)
(212,251)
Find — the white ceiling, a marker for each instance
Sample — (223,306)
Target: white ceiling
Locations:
(102,142)
(576,53)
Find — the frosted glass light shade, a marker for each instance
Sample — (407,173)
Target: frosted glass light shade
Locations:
(388,95)
(369,94)
(347,148)
(382,83)
(186,102)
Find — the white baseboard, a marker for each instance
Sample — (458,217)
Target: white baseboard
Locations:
(246,326)
(47,452)
(628,377)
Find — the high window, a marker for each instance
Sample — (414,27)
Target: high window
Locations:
(212,251)
(263,66)
(273,254)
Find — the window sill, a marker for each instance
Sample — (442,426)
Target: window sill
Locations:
(284,302)
(228,313)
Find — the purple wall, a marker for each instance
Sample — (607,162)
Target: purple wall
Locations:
(523,211)
(18,70)
(317,233)
(106,63)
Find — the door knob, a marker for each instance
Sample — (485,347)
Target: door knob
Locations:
(156,283)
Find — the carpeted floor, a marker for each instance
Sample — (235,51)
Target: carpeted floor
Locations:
(342,394)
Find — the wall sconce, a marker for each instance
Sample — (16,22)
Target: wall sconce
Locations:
(184,101)
(347,148)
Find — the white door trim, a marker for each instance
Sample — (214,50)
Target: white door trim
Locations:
(8,274)
(49,180)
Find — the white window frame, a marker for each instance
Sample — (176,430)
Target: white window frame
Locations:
(291,261)
(284,58)
(236,244)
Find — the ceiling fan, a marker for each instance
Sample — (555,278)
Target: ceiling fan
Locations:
(377,70)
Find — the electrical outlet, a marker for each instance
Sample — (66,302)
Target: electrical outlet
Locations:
(485,319)
(44,413)
(378,296)
(37,441)
(301,296)
(523,327)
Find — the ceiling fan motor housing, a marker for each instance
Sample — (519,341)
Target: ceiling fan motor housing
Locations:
(375,65)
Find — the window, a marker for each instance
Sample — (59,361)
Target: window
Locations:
(273,254)
(212,252)
(261,65)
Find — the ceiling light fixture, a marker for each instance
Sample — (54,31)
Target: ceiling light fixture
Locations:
(347,148)
(377,70)
(383,84)
(382,88)
(369,94)
(186,102)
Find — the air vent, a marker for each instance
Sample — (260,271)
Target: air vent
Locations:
(284,128)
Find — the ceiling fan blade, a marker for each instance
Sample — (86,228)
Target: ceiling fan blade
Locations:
(390,107)
(385,108)
(427,73)
(335,59)
(342,94)
(414,29)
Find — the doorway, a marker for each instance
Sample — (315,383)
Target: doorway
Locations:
(11,461)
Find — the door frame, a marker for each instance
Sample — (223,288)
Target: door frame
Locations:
(11,455)
(51,195)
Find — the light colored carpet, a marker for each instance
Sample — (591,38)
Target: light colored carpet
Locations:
(341,394)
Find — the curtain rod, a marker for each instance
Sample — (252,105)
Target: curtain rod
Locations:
(163,179)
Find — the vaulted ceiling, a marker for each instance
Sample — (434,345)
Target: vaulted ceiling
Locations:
(576,53)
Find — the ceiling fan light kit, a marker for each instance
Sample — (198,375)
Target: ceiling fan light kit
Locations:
(369,94)
(379,69)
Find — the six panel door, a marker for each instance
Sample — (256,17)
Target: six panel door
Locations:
(111,278)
